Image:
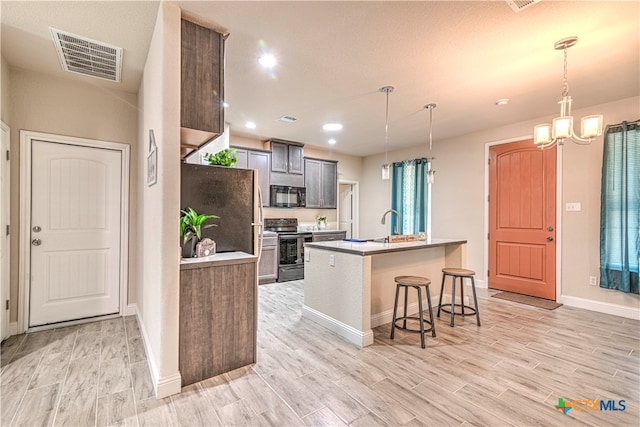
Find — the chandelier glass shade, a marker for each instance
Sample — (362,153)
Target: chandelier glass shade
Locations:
(547,135)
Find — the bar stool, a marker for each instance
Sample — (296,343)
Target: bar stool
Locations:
(415,282)
(462,273)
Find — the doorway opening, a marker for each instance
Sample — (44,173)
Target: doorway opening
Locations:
(74,196)
(521,218)
(348,207)
(5,189)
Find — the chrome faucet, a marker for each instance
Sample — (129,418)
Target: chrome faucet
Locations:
(395,212)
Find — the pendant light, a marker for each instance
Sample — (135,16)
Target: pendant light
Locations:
(386,167)
(547,135)
(431,174)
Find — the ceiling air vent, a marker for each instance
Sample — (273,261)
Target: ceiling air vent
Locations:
(518,5)
(85,56)
(287,119)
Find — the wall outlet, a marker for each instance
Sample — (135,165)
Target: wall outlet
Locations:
(593,280)
(332,260)
(573,207)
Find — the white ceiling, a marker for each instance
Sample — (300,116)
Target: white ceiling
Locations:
(334,56)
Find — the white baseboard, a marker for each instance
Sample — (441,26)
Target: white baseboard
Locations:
(481,283)
(601,307)
(163,386)
(168,386)
(130,310)
(386,316)
(350,333)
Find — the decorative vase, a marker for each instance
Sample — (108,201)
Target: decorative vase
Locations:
(189,248)
(322,225)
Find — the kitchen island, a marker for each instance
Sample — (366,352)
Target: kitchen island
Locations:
(349,286)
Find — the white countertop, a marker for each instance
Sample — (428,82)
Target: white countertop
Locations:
(372,248)
(223,258)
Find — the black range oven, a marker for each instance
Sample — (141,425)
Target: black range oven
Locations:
(290,247)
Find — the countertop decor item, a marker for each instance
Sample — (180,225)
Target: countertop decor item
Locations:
(191,226)
(226,157)
(322,222)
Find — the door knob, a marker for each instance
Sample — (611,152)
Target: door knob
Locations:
(549,228)
(36,242)
(549,239)
(37,229)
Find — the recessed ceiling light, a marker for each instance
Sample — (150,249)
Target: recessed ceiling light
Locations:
(332,127)
(267,60)
(503,101)
(332,141)
(250,125)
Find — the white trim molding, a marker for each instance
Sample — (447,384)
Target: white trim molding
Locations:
(131,310)
(361,339)
(24,260)
(601,307)
(163,386)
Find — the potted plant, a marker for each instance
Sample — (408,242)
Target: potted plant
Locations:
(226,157)
(191,226)
(322,222)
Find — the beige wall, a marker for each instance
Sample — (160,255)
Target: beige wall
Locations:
(349,168)
(158,249)
(459,199)
(42,103)
(5,84)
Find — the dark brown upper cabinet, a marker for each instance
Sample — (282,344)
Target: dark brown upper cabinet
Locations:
(202,88)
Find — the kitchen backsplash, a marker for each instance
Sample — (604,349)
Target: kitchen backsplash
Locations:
(306,217)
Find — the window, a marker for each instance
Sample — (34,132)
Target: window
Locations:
(620,208)
(410,196)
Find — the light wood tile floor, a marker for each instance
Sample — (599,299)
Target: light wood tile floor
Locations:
(509,371)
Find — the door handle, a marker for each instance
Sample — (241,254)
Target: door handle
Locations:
(549,239)
(36,242)
(549,228)
(37,229)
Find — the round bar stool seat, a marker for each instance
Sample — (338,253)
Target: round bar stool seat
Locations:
(417,283)
(461,273)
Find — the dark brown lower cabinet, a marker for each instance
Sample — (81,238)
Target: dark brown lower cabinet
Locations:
(218,318)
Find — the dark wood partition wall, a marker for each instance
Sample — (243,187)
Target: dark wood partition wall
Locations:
(218,322)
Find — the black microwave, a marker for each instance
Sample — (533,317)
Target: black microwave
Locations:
(283,196)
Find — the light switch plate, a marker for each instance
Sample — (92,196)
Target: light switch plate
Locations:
(332,260)
(573,207)
(307,256)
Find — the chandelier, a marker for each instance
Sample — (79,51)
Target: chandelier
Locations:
(386,167)
(431,174)
(547,135)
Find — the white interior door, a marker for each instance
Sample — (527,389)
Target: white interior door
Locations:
(75,232)
(4,235)
(345,211)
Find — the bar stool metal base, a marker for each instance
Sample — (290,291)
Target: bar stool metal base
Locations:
(460,273)
(414,282)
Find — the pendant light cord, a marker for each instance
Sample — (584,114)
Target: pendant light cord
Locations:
(386,131)
(430,130)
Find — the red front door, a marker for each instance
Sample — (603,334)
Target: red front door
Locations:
(522,219)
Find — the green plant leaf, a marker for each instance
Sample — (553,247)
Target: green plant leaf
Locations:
(226,157)
(191,223)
